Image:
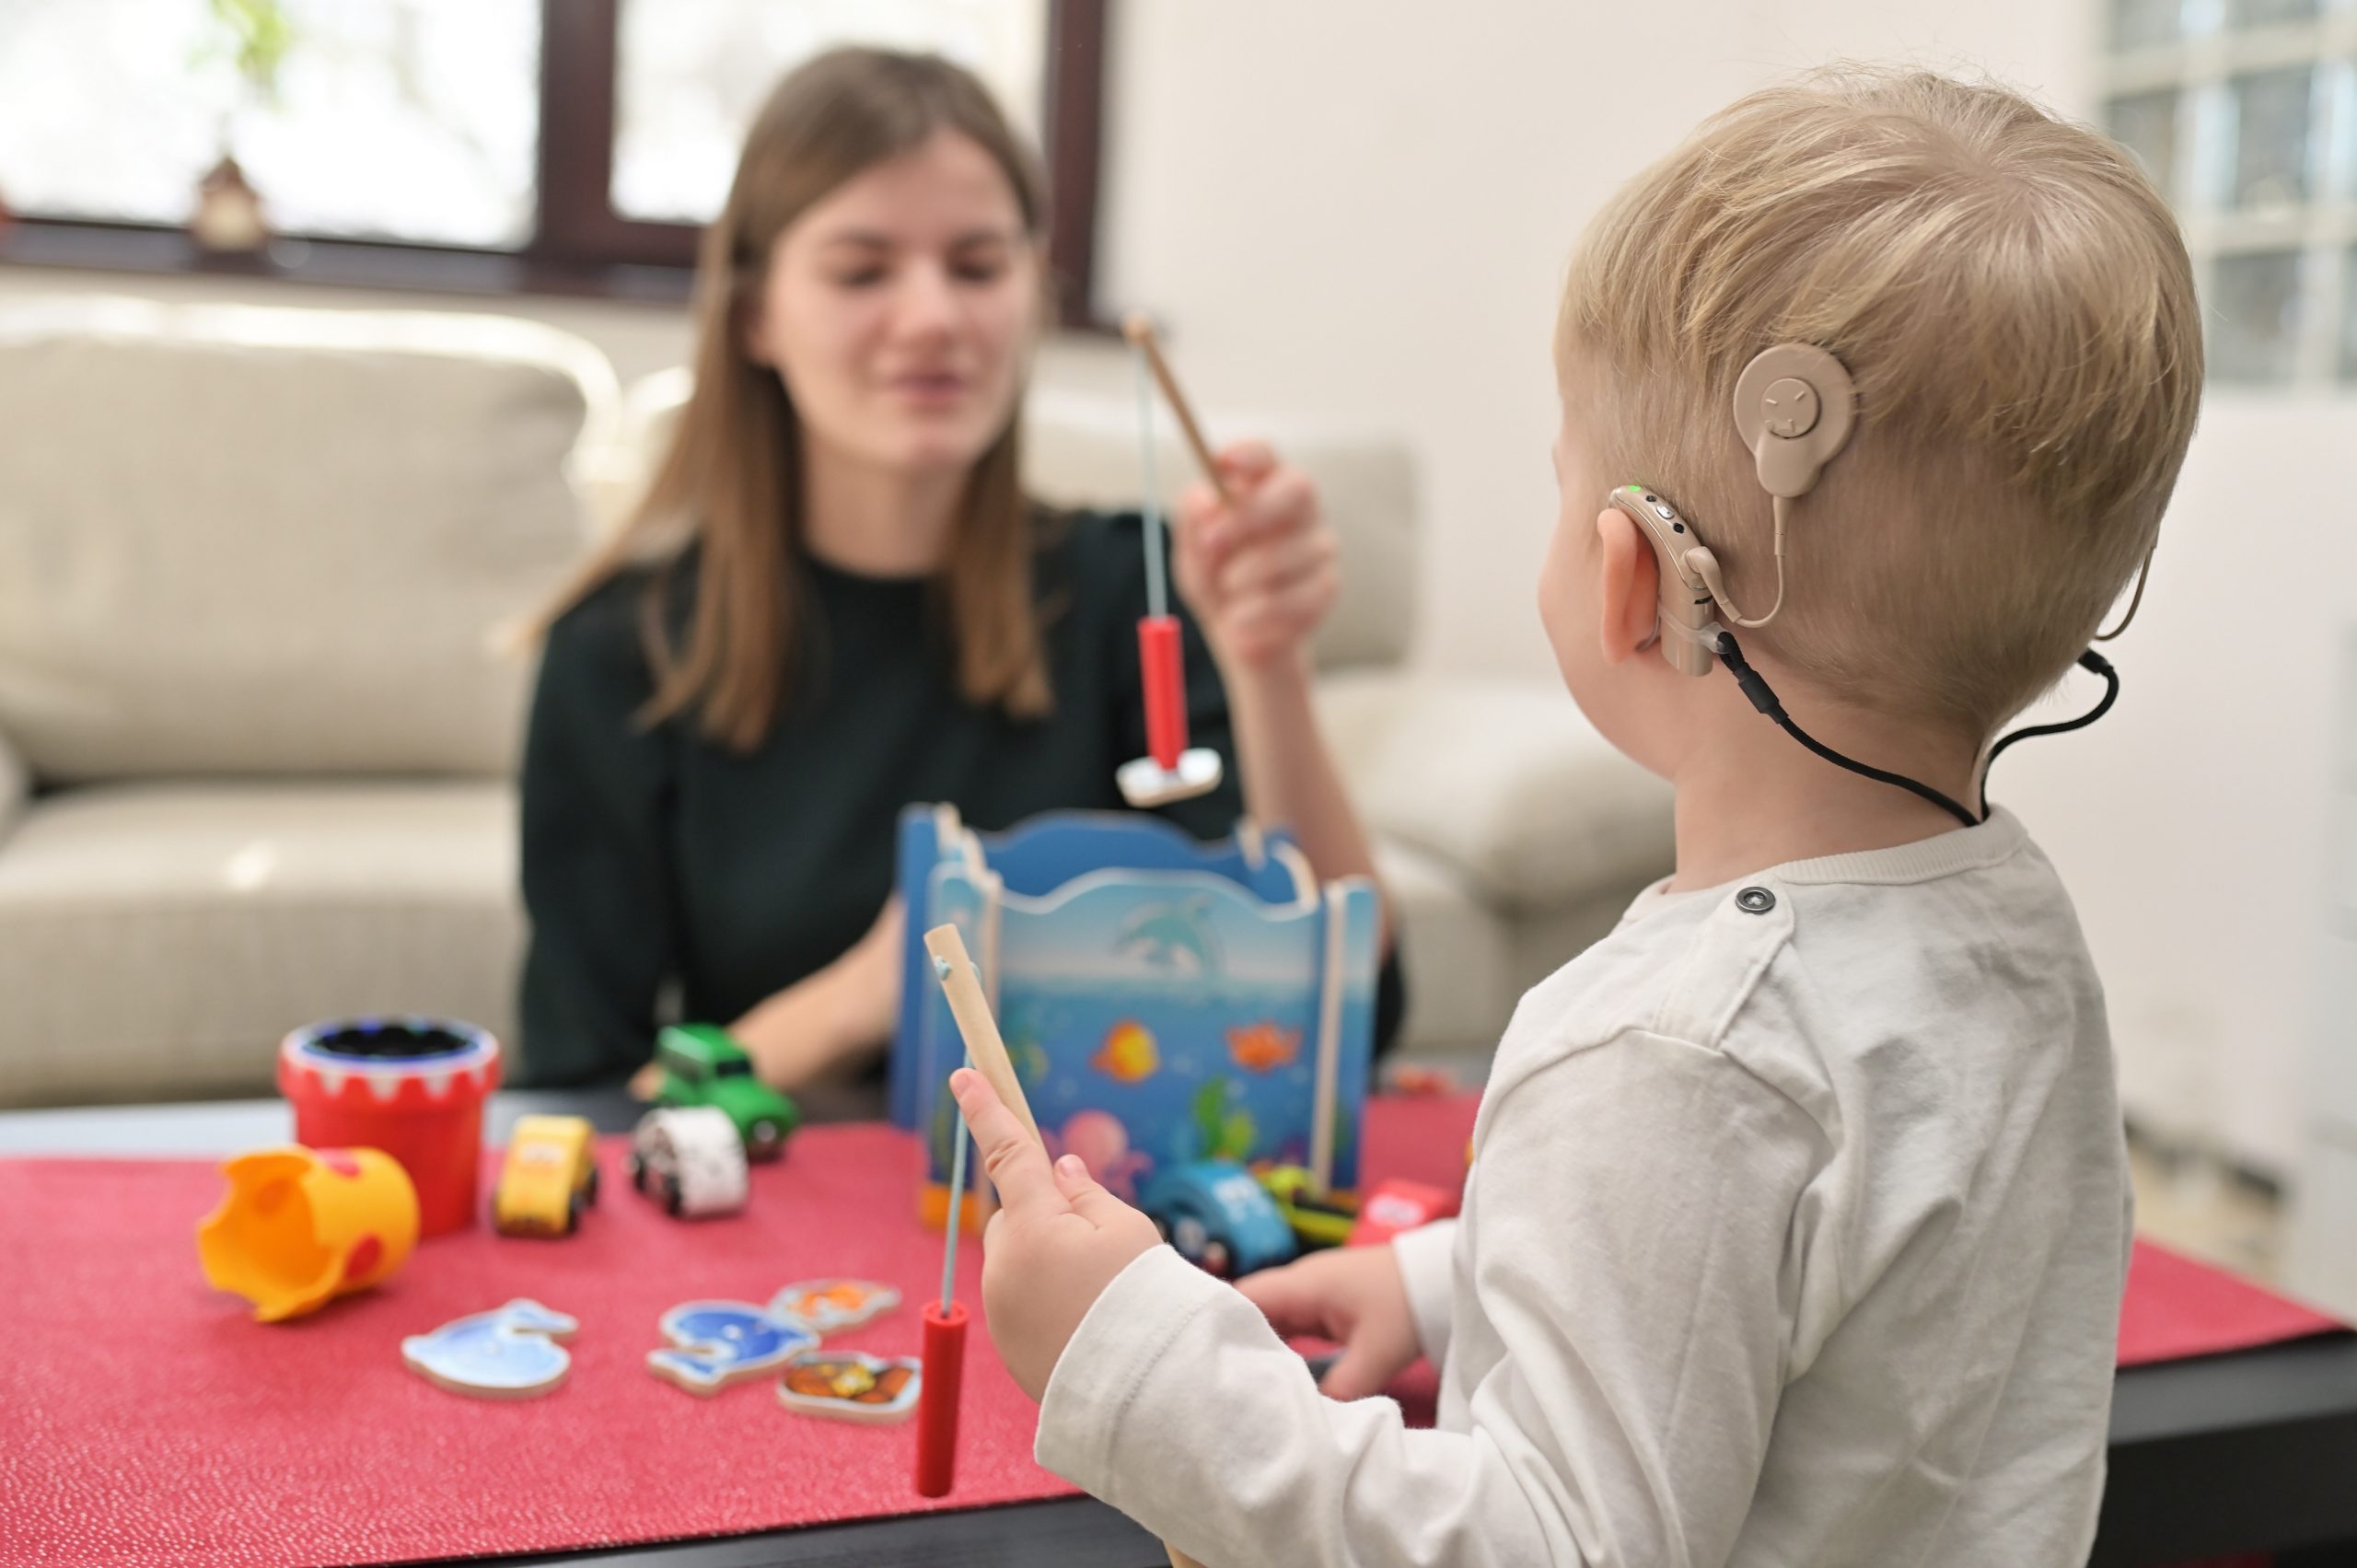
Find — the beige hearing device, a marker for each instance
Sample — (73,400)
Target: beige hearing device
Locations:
(1684,628)
(1795,406)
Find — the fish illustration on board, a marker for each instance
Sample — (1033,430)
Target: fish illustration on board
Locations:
(1128,1055)
(1264,1047)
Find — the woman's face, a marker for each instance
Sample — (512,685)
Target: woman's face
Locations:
(898,311)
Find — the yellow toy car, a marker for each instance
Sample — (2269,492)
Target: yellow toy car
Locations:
(1316,1221)
(550,1175)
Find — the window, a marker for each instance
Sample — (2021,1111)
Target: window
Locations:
(476,145)
(2255,306)
(436,98)
(695,72)
(2245,113)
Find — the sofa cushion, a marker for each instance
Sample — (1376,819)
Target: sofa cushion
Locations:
(243,541)
(1453,952)
(16,786)
(1503,781)
(157,941)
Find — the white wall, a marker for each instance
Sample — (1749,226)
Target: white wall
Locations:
(1358,210)
(2192,823)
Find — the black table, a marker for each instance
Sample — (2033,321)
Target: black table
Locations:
(2251,1452)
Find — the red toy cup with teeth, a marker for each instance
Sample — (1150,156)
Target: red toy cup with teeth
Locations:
(413,1087)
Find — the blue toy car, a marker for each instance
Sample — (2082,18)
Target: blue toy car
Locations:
(1219,1218)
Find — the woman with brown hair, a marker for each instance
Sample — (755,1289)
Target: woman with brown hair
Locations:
(835,599)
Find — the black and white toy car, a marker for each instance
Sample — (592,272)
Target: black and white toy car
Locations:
(691,1160)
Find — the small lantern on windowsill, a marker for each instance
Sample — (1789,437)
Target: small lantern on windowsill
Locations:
(229,212)
(254,37)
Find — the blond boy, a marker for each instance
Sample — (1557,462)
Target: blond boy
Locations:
(1796,1226)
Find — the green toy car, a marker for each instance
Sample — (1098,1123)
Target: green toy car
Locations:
(702,1066)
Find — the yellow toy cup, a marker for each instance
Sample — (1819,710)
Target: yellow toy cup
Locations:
(301,1226)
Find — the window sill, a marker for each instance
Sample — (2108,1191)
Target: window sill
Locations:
(338,264)
(143,250)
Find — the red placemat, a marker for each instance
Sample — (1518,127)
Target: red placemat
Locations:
(145,1419)
(2177,1309)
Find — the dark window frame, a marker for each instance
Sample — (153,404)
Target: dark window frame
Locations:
(580,246)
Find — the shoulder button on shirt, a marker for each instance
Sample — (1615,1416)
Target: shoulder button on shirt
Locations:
(1755,900)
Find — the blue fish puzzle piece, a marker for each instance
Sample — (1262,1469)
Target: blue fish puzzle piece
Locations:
(509,1352)
(719,1342)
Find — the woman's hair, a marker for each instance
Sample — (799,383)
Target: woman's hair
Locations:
(731,480)
(2014,302)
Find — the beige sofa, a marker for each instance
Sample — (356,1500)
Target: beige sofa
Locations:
(258,735)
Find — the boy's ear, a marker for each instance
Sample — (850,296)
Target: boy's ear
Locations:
(1628,587)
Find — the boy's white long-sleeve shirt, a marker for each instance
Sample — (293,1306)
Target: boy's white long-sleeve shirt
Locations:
(1794,1234)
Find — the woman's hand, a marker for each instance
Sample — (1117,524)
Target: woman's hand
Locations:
(1260,570)
(798,1035)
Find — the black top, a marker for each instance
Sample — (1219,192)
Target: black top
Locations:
(655,856)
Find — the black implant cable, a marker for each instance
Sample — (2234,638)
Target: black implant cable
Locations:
(2093,663)
(1763,699)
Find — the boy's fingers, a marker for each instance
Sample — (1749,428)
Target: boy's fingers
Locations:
(1088,1199)
(1017,1166)
(1361,1370)
(1292,1303)
(1072,1175)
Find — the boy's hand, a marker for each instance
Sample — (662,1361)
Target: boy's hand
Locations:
(1055,1244)
(1260,572)
(1353,1295)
